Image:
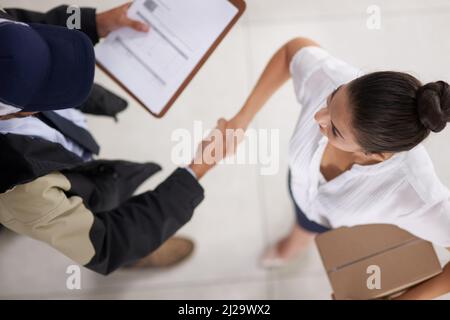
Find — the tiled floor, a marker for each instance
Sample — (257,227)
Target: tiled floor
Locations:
(243,211)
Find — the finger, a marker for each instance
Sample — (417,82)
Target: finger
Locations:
(136,25)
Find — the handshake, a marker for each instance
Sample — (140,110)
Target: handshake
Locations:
(222,142)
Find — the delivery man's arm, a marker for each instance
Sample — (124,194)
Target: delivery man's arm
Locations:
(94,25)
(106,241)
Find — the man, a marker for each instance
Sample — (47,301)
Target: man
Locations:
(50,188)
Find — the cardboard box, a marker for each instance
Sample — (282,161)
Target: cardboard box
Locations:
(375,261)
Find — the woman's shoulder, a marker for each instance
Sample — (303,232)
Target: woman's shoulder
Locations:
(420,174)
(316,72)
(310,59)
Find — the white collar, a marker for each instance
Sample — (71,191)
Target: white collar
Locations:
(371,169)
(7,109)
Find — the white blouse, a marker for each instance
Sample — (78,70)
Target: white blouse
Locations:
(403,190)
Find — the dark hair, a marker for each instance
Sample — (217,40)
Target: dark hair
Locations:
(393,112)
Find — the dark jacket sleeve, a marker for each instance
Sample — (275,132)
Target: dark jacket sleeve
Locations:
(103,102)
(58,16)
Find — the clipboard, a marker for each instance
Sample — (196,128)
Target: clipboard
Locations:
(241,6)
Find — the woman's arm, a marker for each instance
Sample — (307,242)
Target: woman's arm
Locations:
(430,289)
(274,76)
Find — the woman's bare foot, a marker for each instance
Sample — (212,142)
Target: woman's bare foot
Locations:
(287,248)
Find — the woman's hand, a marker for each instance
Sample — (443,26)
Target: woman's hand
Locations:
(117,18)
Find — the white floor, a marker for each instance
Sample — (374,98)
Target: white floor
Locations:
(243,211)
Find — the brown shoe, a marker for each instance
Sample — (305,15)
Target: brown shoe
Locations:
(172,252)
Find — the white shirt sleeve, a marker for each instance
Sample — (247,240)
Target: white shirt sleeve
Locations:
(432,224)
(316,73)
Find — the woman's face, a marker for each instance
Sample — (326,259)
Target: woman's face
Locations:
(334,121)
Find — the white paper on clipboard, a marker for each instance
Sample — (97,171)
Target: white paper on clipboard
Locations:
(154,65)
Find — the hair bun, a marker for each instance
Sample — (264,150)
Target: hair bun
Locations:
(433,105)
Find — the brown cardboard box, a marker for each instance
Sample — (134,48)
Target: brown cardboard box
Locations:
(375,261)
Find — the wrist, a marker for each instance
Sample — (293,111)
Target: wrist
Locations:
(244,117)
(200,169)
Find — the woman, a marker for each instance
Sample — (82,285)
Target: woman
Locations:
(356,155)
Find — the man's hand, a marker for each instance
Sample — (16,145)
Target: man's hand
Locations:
(212,150)
(117,18)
